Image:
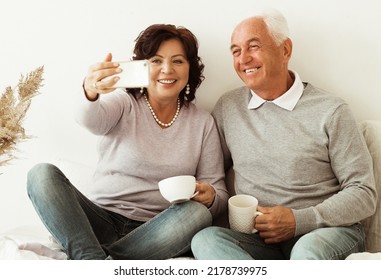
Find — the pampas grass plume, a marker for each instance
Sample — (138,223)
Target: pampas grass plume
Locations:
(13,109)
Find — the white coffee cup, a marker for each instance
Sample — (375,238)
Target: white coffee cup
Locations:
(178,189)
(242,213)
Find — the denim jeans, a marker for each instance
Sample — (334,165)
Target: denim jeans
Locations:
(331,243)
(87,231)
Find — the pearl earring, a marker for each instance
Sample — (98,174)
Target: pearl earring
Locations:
(141,89)
(187,89)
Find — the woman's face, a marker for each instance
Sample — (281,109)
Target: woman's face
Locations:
(169,69)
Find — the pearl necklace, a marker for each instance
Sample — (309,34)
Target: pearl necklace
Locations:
(157,119)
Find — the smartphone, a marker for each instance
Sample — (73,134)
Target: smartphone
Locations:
(135,74)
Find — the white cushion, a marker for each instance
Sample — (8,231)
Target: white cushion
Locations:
(364,256)
(372,225)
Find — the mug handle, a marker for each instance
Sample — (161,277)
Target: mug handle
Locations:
(193,195)
(257,213)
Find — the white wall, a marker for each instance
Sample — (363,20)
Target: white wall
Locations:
(337,46)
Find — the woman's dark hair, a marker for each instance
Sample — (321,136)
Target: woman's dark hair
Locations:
(149,41)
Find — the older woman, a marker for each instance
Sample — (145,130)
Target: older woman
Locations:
(146,135)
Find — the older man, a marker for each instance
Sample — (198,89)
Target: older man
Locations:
(294,147)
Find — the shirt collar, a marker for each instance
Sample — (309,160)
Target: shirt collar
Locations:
(287,101)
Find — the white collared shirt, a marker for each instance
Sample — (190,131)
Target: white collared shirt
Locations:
(286,101)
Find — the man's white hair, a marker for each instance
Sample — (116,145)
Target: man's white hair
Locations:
(276,23)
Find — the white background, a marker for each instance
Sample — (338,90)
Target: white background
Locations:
(337,46)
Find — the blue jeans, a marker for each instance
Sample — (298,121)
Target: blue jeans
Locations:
(87,231)
(334,243)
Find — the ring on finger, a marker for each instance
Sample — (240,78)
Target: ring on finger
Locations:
(95,85)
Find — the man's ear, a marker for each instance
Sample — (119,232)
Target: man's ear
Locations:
(287,49)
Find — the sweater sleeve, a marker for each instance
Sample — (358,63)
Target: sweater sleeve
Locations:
(101,115)
(218,114)
(352,165)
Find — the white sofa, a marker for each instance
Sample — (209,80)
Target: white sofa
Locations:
(372,225)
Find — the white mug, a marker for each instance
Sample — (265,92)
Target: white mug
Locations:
(242,213)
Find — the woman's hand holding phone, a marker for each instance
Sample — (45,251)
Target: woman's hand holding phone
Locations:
(106,76)
(94,83)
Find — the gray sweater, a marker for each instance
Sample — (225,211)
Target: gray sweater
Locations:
(312,159)
(135,153)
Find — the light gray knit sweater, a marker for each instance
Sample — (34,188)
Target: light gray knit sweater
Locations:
(312,159)
(135,153)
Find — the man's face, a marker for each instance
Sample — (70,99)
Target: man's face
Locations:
(258,61)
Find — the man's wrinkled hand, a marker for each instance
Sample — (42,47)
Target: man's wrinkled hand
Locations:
(277,224)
